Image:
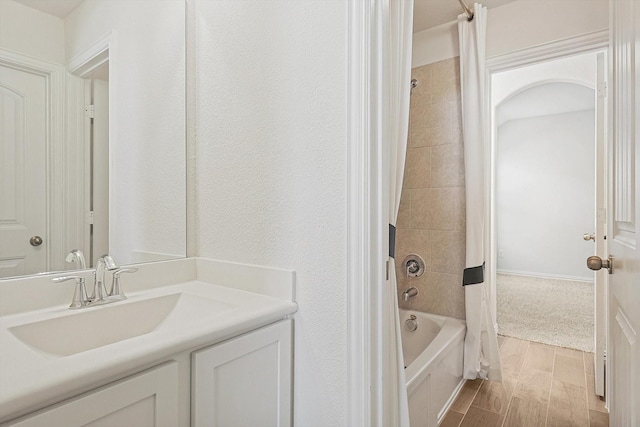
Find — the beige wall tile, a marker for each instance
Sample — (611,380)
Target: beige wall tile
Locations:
(417,168)
(443,295)
(447,252)
(456,133)
(421,94)
(436,202)
(404,214)
(439,134)
(412,242)
(598,419)
(432,208)
(421,301)
(446,69)
(447,166)
(458,212)
(429,116)
(446,80)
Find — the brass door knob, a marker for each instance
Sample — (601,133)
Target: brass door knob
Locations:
(596,263)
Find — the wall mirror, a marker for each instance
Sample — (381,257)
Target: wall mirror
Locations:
(92,133)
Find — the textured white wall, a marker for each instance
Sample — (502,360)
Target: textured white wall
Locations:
(545,194)
(271,168)
(147,119)
(31,32)
(517,25)
(579,69)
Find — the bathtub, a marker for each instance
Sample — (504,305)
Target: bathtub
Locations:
(433,365)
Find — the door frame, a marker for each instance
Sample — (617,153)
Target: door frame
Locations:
(81,66)
(589,43)
(367,213)
(56,151)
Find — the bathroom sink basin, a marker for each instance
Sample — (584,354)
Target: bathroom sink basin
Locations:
(83,330)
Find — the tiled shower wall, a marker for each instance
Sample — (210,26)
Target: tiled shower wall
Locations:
(431,222)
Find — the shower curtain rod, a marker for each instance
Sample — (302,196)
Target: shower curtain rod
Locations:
(467,11)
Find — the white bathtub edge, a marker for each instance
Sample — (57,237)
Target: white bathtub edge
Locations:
(451,330)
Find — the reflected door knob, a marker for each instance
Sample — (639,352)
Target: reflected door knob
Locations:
(596,263)
(35,241)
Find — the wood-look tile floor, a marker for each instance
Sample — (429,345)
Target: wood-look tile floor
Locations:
(542,386)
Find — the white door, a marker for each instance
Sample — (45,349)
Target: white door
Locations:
(623,234)
(100,168)
(600,294)
(23,204)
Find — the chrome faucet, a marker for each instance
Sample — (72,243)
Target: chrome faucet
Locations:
(100,295)
(116,292)
(409,293)
(76,255)
(104,263)
(80,298)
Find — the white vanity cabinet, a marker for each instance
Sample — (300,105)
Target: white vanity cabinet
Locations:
(147,399)
(197,342)
(245,381)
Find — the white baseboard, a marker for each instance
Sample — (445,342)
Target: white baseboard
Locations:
(452,399)
(546,275)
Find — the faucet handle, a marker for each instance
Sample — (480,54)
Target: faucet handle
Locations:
(80,298)
(116,290)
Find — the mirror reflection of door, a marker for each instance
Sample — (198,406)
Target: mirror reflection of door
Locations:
(23,136)
(99,162)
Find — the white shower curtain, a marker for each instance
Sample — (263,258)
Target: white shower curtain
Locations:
(401,29)
(481,358)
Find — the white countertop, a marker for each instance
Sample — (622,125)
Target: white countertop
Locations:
(31,379)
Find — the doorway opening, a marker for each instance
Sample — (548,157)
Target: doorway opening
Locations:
(548,202)
(92,71)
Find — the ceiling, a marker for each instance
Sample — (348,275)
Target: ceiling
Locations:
(431,13)
(59,8)
(427,13)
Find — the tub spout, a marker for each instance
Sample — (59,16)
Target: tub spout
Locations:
(409,293)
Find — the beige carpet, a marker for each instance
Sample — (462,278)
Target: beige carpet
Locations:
(550,311)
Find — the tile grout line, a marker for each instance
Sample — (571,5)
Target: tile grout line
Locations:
(586,386)
(553,369)
(464,415)
(516,386)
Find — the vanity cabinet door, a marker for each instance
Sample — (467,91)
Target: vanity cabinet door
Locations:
(244,382)
(148,399)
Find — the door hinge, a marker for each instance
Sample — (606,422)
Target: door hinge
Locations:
(602,89)
(90,218)
(90,111)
